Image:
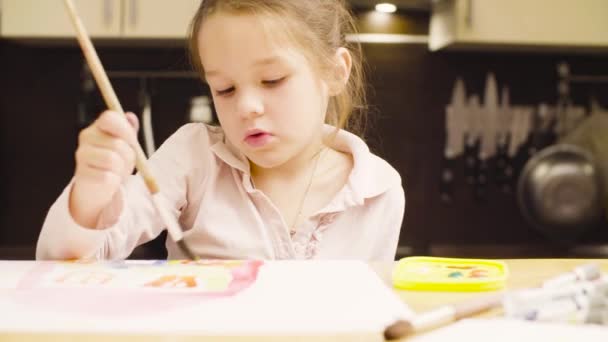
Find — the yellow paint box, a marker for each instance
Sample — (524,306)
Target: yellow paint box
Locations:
(449,274)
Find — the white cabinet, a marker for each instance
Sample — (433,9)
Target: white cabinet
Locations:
(49,19)
(521,24)
(146,19)
(162,19)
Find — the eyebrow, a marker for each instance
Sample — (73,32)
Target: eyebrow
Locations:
(258,63)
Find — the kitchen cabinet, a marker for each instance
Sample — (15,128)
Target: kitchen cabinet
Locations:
(146,19)
(519,24)
(49,18)
(158,19)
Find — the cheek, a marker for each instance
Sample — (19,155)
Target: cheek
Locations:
(226,122)
(221,108)
(300,95)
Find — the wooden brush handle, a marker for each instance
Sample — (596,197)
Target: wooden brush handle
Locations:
(107,91)
(112,102)
(477,305)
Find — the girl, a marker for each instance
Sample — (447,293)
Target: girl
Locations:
(281,179)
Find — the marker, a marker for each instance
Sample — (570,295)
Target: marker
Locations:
(597,317)
(578,309)
(580,273)
(522,300)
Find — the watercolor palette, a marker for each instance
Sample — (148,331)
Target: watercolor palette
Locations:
(449,274)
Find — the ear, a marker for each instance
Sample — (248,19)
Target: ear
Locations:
(343,63)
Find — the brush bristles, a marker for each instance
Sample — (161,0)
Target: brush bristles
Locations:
(398,330)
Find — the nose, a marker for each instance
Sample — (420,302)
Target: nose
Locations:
(249,104)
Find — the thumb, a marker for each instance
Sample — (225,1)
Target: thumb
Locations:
(133,121)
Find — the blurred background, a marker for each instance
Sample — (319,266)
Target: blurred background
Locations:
(463,94)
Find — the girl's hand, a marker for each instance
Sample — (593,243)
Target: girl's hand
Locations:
(104,159)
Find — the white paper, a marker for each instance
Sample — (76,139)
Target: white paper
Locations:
(288,297)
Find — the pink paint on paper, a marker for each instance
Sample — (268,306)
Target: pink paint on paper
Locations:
(130,288)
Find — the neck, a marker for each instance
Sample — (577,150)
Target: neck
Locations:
(293,168)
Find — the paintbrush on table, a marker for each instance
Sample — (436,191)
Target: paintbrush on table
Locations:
(101,78)
(442,316)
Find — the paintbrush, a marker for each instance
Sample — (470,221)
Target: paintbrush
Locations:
(101,78)
(442,316)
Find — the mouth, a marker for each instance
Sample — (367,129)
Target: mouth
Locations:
(257,138)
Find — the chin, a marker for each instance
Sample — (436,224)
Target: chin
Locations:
(265,160)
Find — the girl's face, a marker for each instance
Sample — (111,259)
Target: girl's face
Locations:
(270,102)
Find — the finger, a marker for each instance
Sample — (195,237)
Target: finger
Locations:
(98,176)
(86,134)
(96,138)
(112,143)
(133,121)
(117,125)
(100,158)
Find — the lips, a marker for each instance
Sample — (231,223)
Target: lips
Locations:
(257,137)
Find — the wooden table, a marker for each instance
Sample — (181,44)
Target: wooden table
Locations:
(523,273)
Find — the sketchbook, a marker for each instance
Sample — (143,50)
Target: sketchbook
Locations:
(232,298)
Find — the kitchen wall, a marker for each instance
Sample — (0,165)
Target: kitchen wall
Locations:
(39,123)
(412,87)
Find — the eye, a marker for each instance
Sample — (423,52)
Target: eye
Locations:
(225,92)
(273,82)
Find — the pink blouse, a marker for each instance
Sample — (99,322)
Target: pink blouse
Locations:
(207,185)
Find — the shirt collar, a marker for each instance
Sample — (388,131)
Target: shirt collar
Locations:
(226,151)
(371,176)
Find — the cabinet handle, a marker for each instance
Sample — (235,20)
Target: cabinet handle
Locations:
(469,14)
(133,12)
(108,11)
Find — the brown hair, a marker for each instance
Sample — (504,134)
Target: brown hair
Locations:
(318,27)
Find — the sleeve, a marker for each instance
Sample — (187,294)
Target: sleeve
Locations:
(387,241)
(131,218)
